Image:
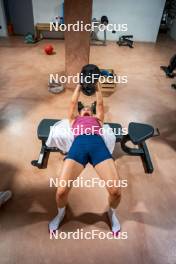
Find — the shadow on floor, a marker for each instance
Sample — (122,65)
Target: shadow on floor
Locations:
(34,205)
(166,122)
(7,174)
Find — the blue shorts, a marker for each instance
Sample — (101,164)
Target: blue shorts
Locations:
(89,149)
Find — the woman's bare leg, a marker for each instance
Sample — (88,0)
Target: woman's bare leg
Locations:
(70,171)
(107,171)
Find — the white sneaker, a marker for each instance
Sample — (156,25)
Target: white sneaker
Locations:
(115,224)
(5,196)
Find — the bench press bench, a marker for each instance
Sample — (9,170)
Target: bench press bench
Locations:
(137,134)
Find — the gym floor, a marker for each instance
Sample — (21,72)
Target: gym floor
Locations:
(147,211)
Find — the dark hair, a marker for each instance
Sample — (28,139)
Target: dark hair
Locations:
(92,107)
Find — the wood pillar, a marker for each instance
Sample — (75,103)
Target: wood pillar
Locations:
(77,43)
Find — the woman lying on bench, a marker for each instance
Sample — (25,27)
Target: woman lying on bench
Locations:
(88,148)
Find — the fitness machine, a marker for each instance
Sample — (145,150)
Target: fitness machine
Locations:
(137,134)
(170,68)
(94,34)
(126,40)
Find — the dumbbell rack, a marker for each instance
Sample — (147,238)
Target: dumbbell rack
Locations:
(106,87)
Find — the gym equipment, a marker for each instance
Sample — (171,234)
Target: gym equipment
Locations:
(106,73)
(173,86)
(55,87)
(104,20)
(93,106)
(89,76)
(126,40)
(108,83)
(137,134)
(80,106)
(29,38)
(94,34)
(169,14)
(170,68)
(48,49)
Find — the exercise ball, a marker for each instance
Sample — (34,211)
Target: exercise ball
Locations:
(89,76)
(48,49)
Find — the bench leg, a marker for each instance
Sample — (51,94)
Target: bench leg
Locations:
(146,158)
(42,161)
(129,150)
(141,151)
(104,40)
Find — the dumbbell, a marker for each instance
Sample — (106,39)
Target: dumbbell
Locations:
(89,76)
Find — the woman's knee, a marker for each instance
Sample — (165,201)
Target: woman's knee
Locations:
(61,193)
(115,192)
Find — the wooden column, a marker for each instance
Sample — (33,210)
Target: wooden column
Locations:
(77,43)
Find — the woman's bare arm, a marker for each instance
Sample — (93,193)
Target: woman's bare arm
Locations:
(74,104)
(100,104)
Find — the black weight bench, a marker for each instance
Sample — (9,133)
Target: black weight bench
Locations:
(137,134)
